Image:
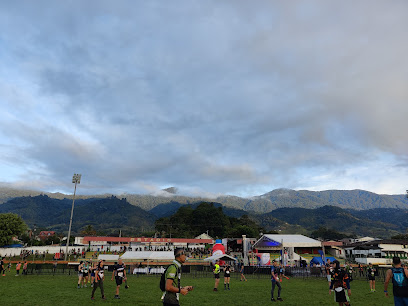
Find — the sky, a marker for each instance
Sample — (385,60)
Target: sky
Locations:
(213,97)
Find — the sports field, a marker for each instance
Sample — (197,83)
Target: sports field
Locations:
(144,290)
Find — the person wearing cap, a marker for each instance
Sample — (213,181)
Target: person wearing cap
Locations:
(99,278)
(173,287)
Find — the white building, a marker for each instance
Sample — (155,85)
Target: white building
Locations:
(377,251)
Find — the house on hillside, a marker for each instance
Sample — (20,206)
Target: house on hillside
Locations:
(45,234)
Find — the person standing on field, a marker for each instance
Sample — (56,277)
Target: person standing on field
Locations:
(18,267)
(340,284)
(275,281)
(25,266)
(241,270)
(227,277)
(119,272)
(99,278)
(172,288)
(2,267)
(216,272)
(399,277)
(371,272)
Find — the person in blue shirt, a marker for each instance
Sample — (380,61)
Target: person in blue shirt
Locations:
(275,281)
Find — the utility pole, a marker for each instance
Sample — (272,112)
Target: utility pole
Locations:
(76,179)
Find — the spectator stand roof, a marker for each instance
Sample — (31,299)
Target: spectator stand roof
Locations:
(271,242)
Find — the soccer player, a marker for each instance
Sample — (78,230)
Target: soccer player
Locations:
(99,278)
(173,278)
(92,271)
(339,283)
(85,274)
(119,272)
(227,276)
(80,274)
(399,276)
(216,272)
(275,281)
(371,271)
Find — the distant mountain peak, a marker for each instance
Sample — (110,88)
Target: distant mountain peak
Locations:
(172,190)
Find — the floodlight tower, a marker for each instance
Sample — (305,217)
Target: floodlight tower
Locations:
(76,179)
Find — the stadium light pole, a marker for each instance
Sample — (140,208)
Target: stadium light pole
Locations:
(76,179)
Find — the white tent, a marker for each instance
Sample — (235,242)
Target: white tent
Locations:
(220,257)
(148,255)
(108,257)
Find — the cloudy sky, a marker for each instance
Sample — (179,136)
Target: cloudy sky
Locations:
(213,97)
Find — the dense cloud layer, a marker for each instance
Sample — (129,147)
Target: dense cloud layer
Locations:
(218,97)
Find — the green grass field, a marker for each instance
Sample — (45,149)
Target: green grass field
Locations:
(144,290)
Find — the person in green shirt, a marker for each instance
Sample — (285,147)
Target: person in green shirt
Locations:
(216,271)
(173,276)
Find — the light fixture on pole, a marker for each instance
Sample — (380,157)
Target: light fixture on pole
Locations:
(76,179)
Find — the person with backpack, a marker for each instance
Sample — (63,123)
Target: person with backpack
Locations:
(399,276)
(170,282)
(340,282)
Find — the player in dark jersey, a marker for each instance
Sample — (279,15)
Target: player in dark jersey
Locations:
(340,283)
(227,277)
(92,268)
(371,273)
(80,274)
(85,274)
(119,272)
(99,278)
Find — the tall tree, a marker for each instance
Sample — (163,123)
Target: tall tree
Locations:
(11,225)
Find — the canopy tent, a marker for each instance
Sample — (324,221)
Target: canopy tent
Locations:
(271,242)
(224,257)
(148,255)
(319,260)
(108,257)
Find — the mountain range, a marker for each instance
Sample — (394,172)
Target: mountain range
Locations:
(278,198)
(355,212)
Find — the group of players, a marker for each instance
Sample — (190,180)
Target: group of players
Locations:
(339,281)
(3,267)
(95,274)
